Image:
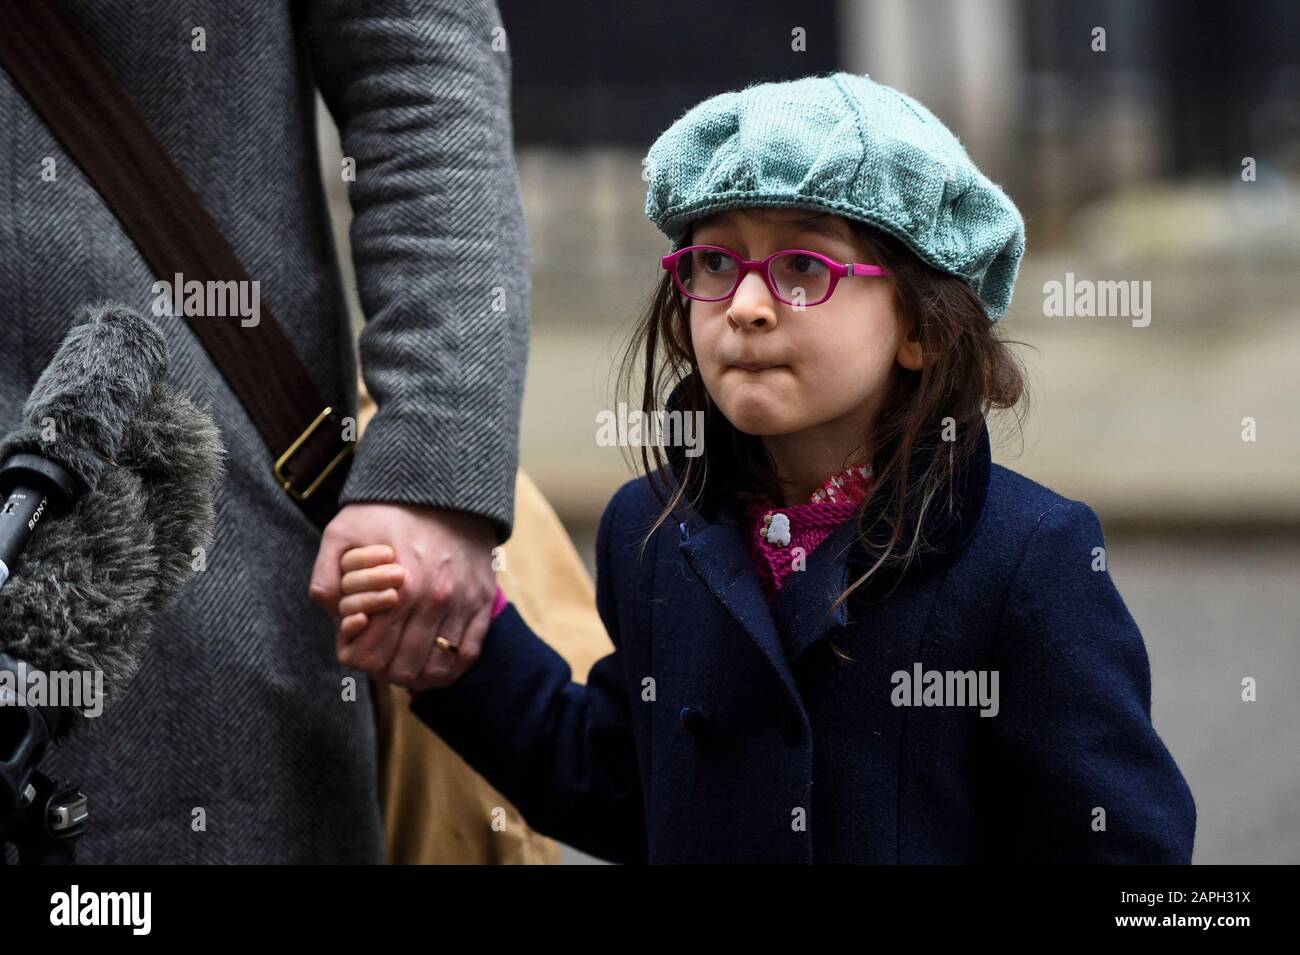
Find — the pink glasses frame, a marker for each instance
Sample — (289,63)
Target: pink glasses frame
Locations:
(838,270)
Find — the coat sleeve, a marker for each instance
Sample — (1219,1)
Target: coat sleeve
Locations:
(420,90)
(1073,735)
(562,752)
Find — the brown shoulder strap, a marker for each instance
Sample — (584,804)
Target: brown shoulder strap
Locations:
(52,61)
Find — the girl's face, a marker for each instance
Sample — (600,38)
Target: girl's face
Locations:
(775,370)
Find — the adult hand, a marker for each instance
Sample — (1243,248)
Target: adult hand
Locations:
(447,588)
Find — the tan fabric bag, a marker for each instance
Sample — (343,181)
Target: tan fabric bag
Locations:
(436,809)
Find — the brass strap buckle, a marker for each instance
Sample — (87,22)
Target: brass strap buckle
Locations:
(287,482)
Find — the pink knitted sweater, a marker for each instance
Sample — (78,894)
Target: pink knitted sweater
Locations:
(781,538)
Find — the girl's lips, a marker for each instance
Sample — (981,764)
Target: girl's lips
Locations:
(754,366)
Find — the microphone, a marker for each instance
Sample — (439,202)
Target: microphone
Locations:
(75,420)
(108,498)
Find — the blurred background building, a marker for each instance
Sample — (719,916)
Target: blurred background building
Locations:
(1170,156)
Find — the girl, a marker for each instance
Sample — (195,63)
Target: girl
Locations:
(841,633)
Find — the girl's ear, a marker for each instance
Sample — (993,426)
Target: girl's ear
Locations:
(910,355)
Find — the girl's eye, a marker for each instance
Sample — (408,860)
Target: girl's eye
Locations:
(804,264)
(717,261)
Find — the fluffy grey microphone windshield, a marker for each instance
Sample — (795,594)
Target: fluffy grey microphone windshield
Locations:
(85,588)
(108,364)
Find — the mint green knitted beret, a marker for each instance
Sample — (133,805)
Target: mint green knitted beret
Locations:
(840,143)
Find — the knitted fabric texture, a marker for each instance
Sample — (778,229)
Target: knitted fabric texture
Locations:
(843,144)
(810,524)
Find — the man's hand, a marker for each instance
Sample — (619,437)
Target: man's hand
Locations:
(445,590)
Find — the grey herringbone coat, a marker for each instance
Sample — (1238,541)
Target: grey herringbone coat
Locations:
(238,710)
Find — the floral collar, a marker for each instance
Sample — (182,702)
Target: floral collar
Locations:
(853,484)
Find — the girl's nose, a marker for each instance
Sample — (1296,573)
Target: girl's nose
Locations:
(752,305)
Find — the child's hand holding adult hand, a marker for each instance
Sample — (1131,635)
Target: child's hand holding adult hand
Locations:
(370,586)
(393,601)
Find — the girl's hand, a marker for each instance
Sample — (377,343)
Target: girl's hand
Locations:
(444,606)
(369,586)
(369,583)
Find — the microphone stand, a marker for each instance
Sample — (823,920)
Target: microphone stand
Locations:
(51,817)
(41,817)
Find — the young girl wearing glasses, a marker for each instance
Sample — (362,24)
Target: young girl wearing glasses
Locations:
(841,633)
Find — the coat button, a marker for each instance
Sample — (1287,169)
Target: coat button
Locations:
(694,720)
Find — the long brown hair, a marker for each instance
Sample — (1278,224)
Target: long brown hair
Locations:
(968,370)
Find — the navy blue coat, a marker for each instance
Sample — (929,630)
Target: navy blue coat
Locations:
(725,729)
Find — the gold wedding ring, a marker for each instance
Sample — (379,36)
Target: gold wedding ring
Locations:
(445,644)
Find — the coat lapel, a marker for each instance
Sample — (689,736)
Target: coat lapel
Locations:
(797,619)
(800,607)
(717,553)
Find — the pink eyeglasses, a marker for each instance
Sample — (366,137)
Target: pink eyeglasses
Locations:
(712,273)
